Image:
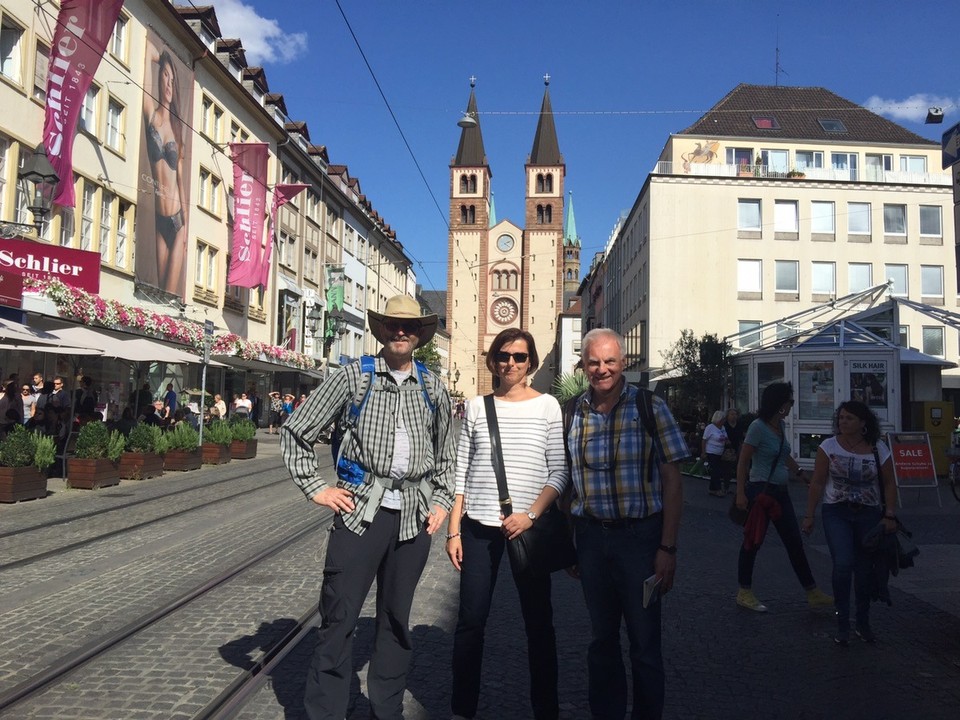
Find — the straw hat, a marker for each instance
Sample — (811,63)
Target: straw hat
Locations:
(402,307)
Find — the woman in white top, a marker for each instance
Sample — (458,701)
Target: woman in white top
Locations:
(531,437)
(854,492)
(711,450)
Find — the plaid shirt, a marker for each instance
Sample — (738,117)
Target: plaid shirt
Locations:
(432,451)
(609,454)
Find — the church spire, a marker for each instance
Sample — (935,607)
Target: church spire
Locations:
(570,237)
(470,152)
(493,211)
(546,148)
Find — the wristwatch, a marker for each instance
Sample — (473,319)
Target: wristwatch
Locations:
(668,549)
(532,515)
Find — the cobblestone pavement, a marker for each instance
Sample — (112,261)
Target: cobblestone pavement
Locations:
(721,662)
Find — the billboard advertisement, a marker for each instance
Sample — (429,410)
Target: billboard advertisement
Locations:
(164,187)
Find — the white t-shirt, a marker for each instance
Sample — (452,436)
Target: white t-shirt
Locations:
(852,477)
(531,436)
(716,438)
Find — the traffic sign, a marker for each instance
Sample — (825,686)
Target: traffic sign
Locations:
(951,146)
(208,328)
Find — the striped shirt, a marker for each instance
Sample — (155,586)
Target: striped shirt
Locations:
(609,452)
(371,444)
(531,437)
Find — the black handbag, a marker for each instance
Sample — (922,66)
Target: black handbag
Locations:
(547,546)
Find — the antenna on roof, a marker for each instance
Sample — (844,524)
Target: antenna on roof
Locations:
(777,67)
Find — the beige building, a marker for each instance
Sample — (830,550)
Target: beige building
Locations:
(776,200)
(501,274)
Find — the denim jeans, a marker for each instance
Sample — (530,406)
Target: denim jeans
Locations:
(483,548)
(614,561)
(716,471)
(789,532)
(845,526)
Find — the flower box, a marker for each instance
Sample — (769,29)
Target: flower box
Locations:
(90,474)
(182,459)
(140,466)
(21,483)
(214,454)
(243,449)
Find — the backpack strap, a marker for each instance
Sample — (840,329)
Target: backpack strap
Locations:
(423,372)
(569,410)
(367,370)
(649,421)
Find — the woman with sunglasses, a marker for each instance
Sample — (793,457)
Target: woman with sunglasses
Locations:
(531,437)
(29,399)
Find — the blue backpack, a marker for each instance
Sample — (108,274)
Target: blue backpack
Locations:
(347,470)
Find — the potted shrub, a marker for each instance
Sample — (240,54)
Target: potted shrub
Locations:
(182,451)
(217,439)
(24,459)
(244,445)
(142,458)
(94,464)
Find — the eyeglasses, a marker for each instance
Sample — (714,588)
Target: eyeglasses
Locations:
(518,357)
(611,444)
(57,382)
(26,390)
(409,327)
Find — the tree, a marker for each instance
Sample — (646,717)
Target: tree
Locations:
(429,356)
(703,365)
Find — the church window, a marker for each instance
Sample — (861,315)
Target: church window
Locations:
(513,281)
(548,214)
(472,214)
(472,184)
(540,183)
(569,275)
(548,183)
(539,214)
(463,213)
(463,183)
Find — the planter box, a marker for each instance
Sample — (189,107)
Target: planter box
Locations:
(214,454)
(21,483)
(243,449)
(140,466)
(182,459)
(87,474)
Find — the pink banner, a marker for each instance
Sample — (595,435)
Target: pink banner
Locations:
(282,194)
(249,211)
(42,261)
(83,29)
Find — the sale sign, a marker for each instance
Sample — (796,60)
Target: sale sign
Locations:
(912,459)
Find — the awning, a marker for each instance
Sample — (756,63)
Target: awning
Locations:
(20,334)
(258,365)
(52,349)
(909,356)
(289,284)
(131,349)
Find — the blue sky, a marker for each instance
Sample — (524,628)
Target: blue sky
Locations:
(624,75)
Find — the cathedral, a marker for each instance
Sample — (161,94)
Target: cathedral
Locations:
(503,274)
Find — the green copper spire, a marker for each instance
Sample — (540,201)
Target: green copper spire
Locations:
(493,210)
(570,236)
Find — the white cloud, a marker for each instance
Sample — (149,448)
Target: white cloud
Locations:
(912,109)
(264,41)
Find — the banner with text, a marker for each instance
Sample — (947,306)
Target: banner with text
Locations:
(249,211)
(83,29)
(282,194)
(912,459)
(28,259)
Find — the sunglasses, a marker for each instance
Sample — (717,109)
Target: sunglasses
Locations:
(26,390)
(409,327)
(518,357)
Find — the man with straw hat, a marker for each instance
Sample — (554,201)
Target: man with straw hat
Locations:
(393,490)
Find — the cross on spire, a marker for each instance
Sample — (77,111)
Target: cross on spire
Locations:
(473,81)
(546,78)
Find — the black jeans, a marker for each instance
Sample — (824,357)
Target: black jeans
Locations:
(351,565)
(716,472)
(789,532)
(482,551)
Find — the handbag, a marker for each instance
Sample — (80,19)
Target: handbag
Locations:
(547,546)
(739,515)
(729,455)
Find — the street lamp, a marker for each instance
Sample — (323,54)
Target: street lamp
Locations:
(456,379)
(38,182)
(315,316)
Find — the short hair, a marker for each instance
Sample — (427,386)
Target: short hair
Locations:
(871,427)
(773,398)
(598,333)
(505,338)
(718,415)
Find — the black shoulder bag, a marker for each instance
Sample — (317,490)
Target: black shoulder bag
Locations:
(546,547)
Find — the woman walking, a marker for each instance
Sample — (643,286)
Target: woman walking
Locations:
(854,476)
(711,451)
(531,437)
(764,467)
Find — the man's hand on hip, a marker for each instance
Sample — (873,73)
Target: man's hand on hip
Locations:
(335,498)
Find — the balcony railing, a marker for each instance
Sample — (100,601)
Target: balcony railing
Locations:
(665,167)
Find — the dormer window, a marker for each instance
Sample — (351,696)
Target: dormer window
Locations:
(765,122)
(832,125)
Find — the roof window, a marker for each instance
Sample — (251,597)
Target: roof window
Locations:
(766,122)
(832,125)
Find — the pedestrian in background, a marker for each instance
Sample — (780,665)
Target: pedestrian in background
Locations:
(276,406)
(711,451)
(395,490)
(853,474)
(626,505)
(764,467)
(531,438)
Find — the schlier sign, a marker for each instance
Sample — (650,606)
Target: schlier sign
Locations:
(26,259)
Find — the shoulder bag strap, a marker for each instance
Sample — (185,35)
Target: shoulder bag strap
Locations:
(776,459)
(496,452)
